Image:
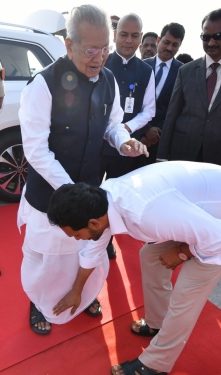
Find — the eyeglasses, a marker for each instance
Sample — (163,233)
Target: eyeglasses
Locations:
(91,52)
(207,37)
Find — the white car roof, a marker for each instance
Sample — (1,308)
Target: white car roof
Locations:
(55,45)
(46,20)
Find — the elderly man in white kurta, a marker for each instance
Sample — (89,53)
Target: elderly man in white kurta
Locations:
(177,206)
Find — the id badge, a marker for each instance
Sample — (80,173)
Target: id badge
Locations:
(129,105)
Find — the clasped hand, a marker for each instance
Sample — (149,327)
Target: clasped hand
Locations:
(169,258)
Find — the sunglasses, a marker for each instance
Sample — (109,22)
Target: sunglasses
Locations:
(207,37)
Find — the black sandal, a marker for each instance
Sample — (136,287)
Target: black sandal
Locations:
(130,367)
(144,329)
(37,317)
(97,312)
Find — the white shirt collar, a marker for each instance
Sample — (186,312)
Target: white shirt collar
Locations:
(210,61)
(159,61)
(94,79)
(124,61)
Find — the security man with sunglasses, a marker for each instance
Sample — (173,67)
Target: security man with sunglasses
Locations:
(192,128)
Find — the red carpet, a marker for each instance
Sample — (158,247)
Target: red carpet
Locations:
(17,341)
(88,345)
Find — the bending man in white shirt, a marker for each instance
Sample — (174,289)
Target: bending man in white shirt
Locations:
(179,210)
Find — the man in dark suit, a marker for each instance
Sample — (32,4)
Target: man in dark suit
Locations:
(168,45)
(192,128)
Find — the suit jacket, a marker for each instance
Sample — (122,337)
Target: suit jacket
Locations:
(190,129)
(166,92)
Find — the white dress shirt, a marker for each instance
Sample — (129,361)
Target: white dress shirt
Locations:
(174,200)
(166,70)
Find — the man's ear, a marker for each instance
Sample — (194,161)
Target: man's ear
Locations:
(69,46)
(94,223)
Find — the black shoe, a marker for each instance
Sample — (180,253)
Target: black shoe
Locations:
(111,251)
(130,367)
(143,329)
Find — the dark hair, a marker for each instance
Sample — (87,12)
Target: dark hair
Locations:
(75,204)
(149,33)
(174,29)
(184,58)
(215,15)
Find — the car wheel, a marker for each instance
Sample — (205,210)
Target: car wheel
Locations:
(13,166)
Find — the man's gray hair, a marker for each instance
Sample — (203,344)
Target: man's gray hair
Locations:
(85,13)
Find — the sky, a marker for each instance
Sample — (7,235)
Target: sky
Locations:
(154,15)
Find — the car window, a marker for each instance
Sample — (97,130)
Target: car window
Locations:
(22,60)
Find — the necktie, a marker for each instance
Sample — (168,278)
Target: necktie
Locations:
(211,81)
(159,73)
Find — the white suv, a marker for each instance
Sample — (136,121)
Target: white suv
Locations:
(23,52)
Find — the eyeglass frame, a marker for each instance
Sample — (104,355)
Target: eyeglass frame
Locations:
(207,37)
(94,51)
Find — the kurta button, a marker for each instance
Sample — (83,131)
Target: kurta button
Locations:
(67,127)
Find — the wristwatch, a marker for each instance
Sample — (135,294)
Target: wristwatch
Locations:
(183,256)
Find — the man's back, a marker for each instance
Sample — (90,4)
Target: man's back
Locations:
(174,200)
(197,182)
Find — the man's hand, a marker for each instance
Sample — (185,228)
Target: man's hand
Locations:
(170,259)
(71,299)
(151,136)
(134,148)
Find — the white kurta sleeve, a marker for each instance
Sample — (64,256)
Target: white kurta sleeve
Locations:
(35,120)
(93,252)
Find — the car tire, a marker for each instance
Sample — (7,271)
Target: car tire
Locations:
(13,166)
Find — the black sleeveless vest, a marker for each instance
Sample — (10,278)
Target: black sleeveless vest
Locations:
(79,117)
(137,73)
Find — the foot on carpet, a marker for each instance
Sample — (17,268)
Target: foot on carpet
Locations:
(94,309)
(140,327)
(37,321)
(134,367)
